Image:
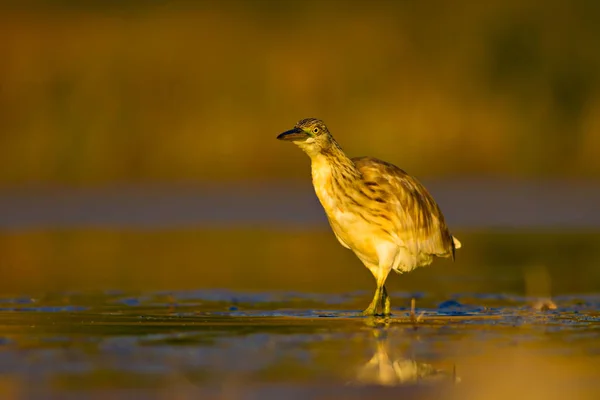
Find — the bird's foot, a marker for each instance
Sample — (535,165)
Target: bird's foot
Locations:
(387,307)
(370,311)
(381,300)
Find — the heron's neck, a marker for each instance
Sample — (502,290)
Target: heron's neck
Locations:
(331,166)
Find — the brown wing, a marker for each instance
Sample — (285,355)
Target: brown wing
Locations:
(418,221)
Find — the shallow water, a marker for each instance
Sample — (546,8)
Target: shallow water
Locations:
(223,344)
(271,314)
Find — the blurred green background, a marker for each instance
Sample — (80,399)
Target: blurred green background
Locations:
(97,92)
(114,94)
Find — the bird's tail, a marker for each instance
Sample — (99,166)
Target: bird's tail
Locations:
(457,244)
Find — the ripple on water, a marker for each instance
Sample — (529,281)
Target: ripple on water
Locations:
(209,340)
(503,308)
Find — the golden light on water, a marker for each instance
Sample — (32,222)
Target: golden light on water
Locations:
(156,238)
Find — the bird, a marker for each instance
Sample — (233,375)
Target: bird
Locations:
(384,215)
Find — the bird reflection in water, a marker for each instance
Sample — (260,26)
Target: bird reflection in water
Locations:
(385,368)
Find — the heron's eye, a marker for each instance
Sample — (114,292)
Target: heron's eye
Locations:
(315,130)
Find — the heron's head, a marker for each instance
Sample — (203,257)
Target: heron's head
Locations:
(311,135)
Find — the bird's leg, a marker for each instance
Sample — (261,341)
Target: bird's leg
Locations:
(381,298)
(386,254)
(372,309)
(385,302)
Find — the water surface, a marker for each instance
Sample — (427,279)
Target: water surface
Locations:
(224,344)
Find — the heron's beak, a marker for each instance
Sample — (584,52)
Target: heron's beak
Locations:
(294,135)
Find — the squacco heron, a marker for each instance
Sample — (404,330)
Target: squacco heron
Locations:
(385,216)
